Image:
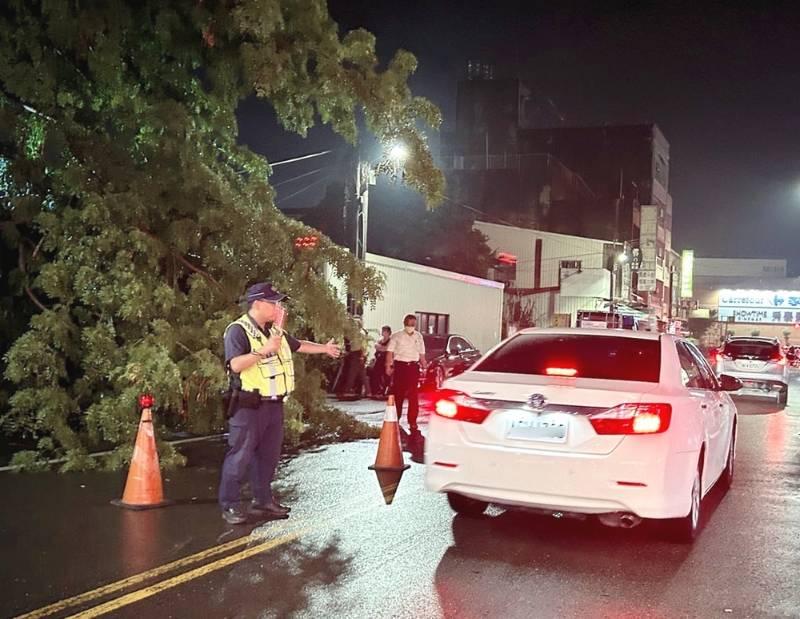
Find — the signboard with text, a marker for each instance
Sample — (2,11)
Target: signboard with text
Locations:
(763,306)
(648,230)
(687,273)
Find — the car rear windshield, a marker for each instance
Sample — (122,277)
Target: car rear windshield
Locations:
(584,356)
(752,349)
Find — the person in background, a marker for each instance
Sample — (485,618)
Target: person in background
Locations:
(354,369)
(405,355)
(378,381)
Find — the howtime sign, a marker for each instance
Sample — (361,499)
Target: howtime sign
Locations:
(765,306)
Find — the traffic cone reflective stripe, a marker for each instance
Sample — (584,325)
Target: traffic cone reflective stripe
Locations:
(389,464)
(143,488)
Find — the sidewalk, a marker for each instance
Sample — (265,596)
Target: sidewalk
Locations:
(372,411)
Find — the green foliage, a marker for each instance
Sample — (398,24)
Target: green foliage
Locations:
(132,217)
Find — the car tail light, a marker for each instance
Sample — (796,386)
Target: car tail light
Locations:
(459,406)
(633,419)
(778,358)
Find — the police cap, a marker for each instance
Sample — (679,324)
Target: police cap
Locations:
(263,292)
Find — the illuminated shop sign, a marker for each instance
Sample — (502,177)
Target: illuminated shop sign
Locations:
(765,306)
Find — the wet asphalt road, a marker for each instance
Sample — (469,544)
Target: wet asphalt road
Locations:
(345,554)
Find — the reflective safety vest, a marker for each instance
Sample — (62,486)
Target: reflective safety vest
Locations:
(272,376)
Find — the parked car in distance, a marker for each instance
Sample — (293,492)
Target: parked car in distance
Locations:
(760,363)
(447,355)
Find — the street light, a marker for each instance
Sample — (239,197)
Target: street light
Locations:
(395,154)
(394,157)
(398,153)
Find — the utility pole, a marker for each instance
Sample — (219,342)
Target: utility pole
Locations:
(615,256)
(355,215)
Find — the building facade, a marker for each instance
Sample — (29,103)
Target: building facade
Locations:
(608,182)
(744,296)
(556,276)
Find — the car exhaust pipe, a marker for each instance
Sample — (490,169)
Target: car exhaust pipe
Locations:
(628,521)
(623,520)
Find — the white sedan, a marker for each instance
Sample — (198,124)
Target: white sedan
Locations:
(623,425)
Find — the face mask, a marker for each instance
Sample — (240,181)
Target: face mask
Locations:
(410,330)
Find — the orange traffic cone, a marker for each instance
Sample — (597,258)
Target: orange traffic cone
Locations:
(143,489)
(389,465)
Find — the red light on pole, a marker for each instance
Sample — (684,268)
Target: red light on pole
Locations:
(506,258)
(146,400)
(306,242)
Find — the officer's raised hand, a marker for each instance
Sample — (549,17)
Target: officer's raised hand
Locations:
(271,347)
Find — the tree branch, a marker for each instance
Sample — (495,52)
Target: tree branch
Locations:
(197,270)
(28,291)
(33,298)
(183,260)
(185,347)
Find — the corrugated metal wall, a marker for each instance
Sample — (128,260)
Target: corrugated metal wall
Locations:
(555,247)
(474,305)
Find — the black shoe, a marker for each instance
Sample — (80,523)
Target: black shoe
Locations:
(234,516)
(270,512)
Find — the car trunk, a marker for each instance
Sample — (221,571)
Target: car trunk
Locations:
(520,421)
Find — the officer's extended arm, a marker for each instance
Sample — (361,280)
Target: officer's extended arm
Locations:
(312,348)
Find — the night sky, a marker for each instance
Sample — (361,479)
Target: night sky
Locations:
(723,84)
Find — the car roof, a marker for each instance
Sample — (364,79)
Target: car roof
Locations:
(639,335)
(442,336)
(756,338)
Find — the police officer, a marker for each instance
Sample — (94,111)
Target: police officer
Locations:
(405,355)
(259,360)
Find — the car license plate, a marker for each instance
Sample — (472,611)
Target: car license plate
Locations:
(750,365)
(552,428)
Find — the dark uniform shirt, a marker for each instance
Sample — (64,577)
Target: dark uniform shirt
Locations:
(236,342)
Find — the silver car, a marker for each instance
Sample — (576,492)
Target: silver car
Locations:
(760,363)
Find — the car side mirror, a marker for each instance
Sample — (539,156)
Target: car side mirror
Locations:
(729,383)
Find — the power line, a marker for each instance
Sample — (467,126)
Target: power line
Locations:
(572,256)
(299,176)
(301,158)
(466,206)
(304,189)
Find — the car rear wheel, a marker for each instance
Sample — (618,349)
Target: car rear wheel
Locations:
(727,475)
(464,505)
(684,530)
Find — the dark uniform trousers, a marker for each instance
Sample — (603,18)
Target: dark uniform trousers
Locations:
(406,387)
(254,446)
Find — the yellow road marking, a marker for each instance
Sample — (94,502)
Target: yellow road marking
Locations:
(158,587)
(142,577)
(136,579)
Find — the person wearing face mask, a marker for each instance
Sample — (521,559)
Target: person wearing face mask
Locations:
(258,357)
(405,355)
